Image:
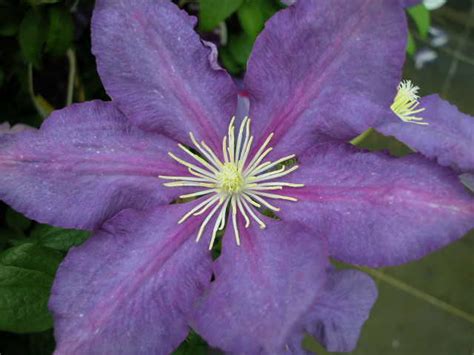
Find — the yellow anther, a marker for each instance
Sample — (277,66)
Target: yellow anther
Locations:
(230,179)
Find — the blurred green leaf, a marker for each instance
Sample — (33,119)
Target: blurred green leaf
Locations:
(213,12)
(9,236)
(411,46)
(26,277)
(32,35)
(237,52)
(9,20)
(229,63)
(253,14)
(421,17)
(375,141)
(16,220)
(61,31)
(58,238)
(194,345)
(42,2)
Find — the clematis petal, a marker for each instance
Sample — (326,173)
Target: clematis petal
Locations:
(325,69)
(158,71)
(448,137)
(409,3)
(262,288)
(337,317)
(85,164)
(131,286)
(383,210)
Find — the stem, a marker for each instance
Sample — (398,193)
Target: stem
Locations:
(31,91)
(71,56)
(419,294)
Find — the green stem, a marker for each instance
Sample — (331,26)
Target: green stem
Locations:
(71,56)
(31,91)
(419,294)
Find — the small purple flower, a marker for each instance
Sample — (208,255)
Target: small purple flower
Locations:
(321,73)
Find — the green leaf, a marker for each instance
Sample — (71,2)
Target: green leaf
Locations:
(229,63)
(9,21)
(32,35)
(16,220)
(253,14)
(58,238)
(193,345)
(61,31)
(411,46)
(375,141)
(33,257)
(26,277)
(238,50)
(42,2)
(421,17)
(213,12)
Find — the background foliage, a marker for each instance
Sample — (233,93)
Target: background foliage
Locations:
(46,63)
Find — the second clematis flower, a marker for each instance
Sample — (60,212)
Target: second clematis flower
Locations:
(165,164)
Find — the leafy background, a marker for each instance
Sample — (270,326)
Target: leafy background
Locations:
(424,307)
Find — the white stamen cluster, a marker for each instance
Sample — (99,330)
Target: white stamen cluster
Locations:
(405,105)
(238,184)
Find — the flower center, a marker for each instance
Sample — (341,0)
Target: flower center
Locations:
(230,179)
(405,105)
(235,183)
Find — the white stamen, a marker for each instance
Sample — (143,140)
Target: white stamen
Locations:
(233,184)
(405,105)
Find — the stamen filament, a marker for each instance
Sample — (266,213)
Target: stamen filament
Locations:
(254,216)
(188,184)
(199,193)
(244,214)
(275,196)
(189,165)
(206,220)
(198,158)
(261,149)
(406,102)
(232,184)
(234,220)
(263,168)
(263,202)
(197,207)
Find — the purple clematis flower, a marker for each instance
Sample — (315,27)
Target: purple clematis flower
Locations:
(321,73)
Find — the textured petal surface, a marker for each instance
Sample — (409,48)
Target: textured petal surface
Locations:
(155,67)
(262,288)
(337,317)
(85,164)
(130,287)
(383,210)
(325,67)
(448,137)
